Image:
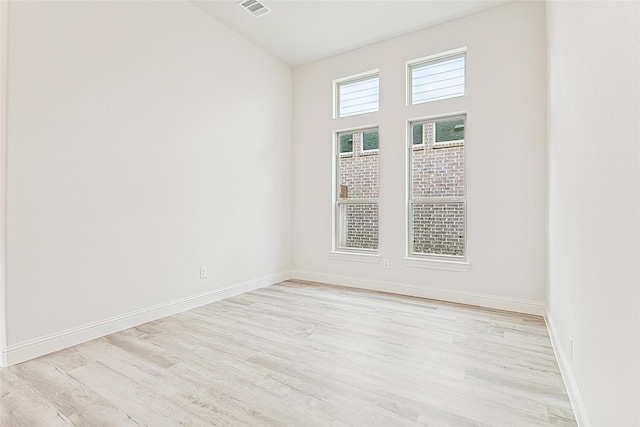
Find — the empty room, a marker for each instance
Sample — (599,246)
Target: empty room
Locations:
(319,213)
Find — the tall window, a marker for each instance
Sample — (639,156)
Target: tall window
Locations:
(437,77)
(357,94)
(437,196)
(357,188)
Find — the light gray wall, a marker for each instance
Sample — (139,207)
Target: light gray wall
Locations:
(146,139)
(594,203)
(506,151)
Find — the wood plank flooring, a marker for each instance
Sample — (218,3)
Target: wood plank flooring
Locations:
(298,354)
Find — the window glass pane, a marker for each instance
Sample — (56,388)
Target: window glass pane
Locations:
(358,97)
(438,228)
(437,171)
(450,130)
(358,226)
(358,175)
(358,183)
(417,134)
(437,196)
(370,140)
(438,79)
(346,143)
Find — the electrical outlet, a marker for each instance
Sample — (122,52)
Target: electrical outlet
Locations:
(570,349)
(203,272)
(386,263)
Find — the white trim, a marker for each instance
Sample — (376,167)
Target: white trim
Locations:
(436,56)
(437,264)
(30,349)
(436,117)
(437,200)
(579,410)
(449,295)
(356,129)
(359,76)
(355,256)
(335,155)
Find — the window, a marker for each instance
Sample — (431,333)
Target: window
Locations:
(346,143)
(437,77)
(370,141)
(446,132)
(437,196)
(357,188)
(449,131)
(357,94)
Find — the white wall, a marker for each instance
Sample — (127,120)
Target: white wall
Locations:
(4,32)
(505,143)
(594,204)
(145,139)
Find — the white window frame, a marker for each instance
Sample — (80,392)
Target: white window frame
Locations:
(338,252)
(433,59)
(353,79)
(433,261)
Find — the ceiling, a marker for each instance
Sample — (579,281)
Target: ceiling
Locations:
(301,31)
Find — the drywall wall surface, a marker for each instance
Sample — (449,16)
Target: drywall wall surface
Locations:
(505,148)
(146,140)
(4,32)
(594,201)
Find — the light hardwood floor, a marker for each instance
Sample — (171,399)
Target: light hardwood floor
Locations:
(301,355)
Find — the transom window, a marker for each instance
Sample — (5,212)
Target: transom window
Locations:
(357,94)
(437,77)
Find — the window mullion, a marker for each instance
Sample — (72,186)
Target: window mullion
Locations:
(437,200)
(357,201)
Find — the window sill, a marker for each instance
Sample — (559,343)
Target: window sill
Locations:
(352,256)
(437,264)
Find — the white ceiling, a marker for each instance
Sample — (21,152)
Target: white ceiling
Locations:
(299,31)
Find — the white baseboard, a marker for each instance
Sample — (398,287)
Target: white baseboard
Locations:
(449,295)
(30,349)
(575,398)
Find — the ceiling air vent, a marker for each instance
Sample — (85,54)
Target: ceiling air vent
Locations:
(254,7)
